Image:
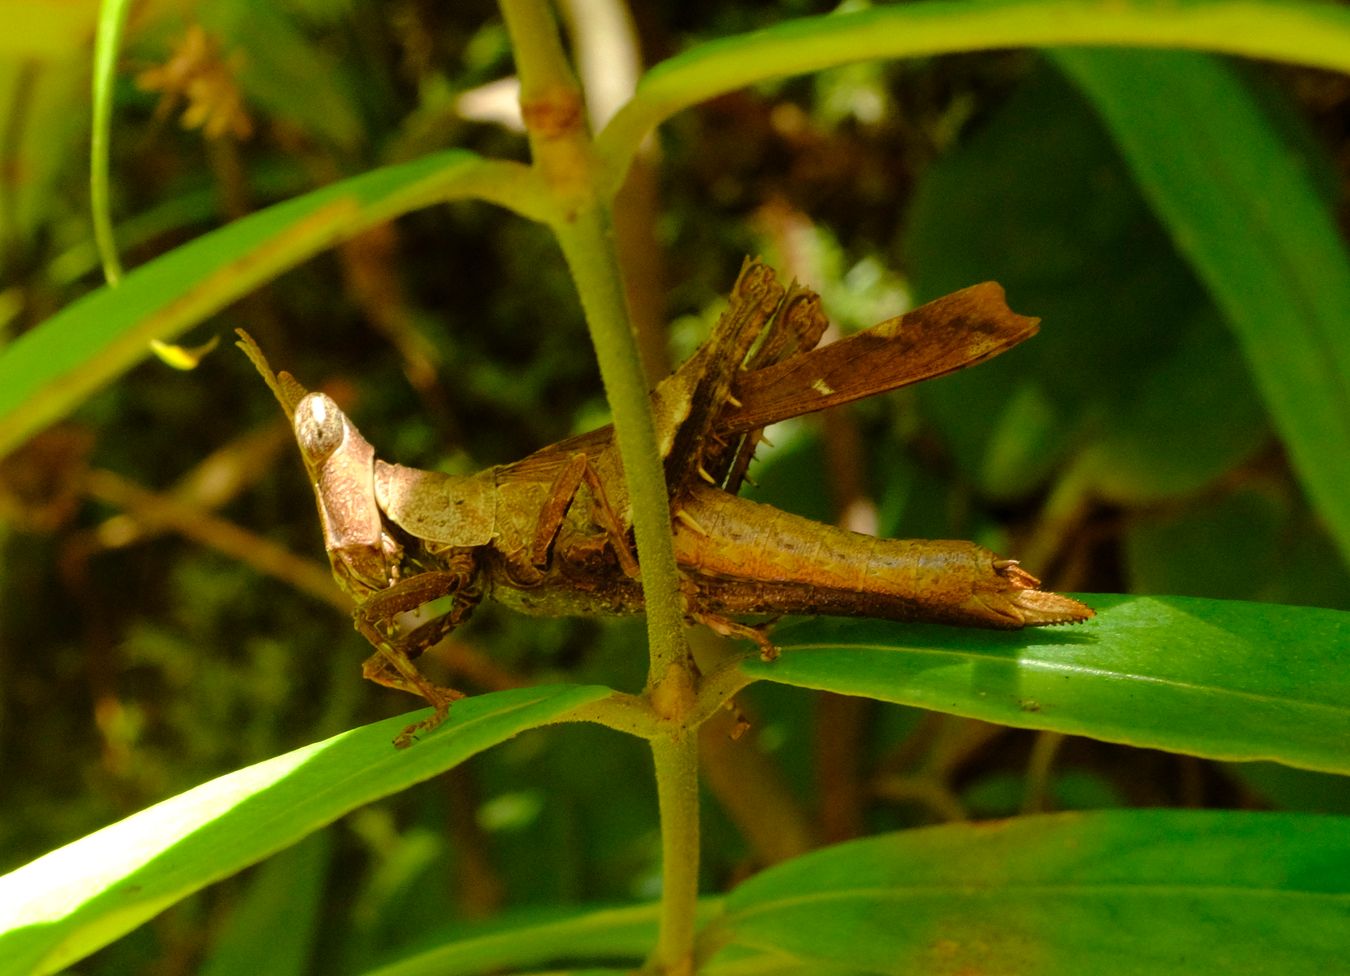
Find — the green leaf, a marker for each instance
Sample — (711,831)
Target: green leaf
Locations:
(740,961)
(49,370)
(1253,543)
(1133,383)
(1190,416)
(532,938)
(1299,33)
(1158,891)
(46,148)
(1283,788)
(1213,678)
(1247,214)
(1218,547)
(272,929)
(70,902)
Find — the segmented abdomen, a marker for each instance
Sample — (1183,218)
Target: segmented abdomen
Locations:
(743,557)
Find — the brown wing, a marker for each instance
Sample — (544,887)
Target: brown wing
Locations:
(687,404)
(793,332)
(761,365)
(717,404)
(959,330)
(545,464)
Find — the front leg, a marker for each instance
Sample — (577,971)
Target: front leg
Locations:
(392,663)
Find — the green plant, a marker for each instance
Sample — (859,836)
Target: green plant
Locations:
(1225,680)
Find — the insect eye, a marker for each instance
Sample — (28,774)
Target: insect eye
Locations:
(319,427)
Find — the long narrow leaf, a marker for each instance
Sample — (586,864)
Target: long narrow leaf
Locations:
(1158,892)
(1245,211)
(48,371)
(273,929)
(537,937)
(1298,33)
(65,905)
(1217,678)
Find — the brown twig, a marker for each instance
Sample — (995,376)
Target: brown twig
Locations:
(161,511)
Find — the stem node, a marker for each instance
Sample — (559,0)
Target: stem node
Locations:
(675,696)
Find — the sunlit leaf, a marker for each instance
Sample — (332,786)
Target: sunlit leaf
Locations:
(65,905)
(1213,678)
(1158,891)
(54,367)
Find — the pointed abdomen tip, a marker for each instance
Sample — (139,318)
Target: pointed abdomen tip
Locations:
(1040,608)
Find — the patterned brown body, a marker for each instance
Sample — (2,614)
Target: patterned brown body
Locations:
(752,558)
(551,533)
(747,558)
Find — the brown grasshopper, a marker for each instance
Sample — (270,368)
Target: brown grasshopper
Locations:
(551,533)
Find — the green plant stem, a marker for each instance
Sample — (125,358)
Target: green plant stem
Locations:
(540,62)
(676,760)
(551,106)
(590,254)
(560,145)
(589,250)
(111,21)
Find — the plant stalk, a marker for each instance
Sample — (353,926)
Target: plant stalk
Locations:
(551,104)
(587,244)
(676,760)
(561,149)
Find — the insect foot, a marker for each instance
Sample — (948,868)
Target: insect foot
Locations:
(441,700)
(726,627)
(390,666)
